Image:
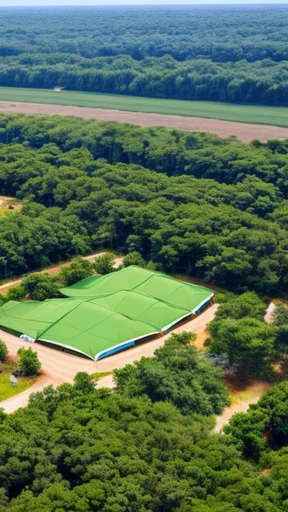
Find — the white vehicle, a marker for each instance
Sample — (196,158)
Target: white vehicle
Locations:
(25,337)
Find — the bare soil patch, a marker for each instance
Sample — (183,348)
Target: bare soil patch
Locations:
(223,129)
(9,204)
(201,337)
(242,394)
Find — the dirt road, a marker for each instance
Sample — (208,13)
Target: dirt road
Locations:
(5,287)
(58,368)
(250,396)
(223,129)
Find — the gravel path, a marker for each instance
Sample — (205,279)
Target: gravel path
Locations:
(243,131)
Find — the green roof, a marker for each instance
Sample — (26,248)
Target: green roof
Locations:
(142,307)
(93,329)
(105,314)
(160,286)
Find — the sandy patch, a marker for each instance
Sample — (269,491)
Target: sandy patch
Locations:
(241,398)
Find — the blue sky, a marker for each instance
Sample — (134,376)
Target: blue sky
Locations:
(40,3)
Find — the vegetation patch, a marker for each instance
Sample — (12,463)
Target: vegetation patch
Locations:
(99,375)
(6,388)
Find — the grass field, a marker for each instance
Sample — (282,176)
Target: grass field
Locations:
(274,116)
(6,388)
(99,375)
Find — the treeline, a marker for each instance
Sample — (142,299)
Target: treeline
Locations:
(215,209)
(231,54)
(263,82)
(222,35)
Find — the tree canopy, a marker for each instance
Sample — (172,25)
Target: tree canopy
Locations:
(179,374)
(188,203)
(240,333)
(232,54)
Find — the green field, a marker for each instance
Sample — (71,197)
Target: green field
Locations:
(275,116)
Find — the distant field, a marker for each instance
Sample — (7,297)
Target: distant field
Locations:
(273,116)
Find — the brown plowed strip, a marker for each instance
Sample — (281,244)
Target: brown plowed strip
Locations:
(223,129)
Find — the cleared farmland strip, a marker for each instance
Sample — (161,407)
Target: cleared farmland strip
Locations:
(224,129)
(274,116)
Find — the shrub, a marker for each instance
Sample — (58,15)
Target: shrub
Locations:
(79,269)
(3,351)
(134,258)
(28,361)
(104,264)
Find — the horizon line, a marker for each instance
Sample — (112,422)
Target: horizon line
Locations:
(257,4)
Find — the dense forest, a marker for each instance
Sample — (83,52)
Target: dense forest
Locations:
(188,203)
(229,54)
(192,203)
(79,449)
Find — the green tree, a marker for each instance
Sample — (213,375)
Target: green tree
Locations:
(264,426)
(29,363)
(104,264)
(41,286)
(245,341)
(84,382)
(134,258)
(78,269)
(178,373)
(280,321)
(3,351)
(17,293)
(247,304)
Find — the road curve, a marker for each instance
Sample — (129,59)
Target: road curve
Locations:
(58,368)
(243,131)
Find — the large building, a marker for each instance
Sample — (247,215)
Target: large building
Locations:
(102,315)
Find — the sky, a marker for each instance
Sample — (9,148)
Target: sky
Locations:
(42,3)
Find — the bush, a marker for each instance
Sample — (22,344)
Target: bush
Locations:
(79,269)
(104,264)
(17,293)
(134,258)
(3,351)
(84,382)
(29,363)
(41,286)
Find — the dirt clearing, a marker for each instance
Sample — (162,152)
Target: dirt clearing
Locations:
(8,204)
(241,398)
(223,129)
